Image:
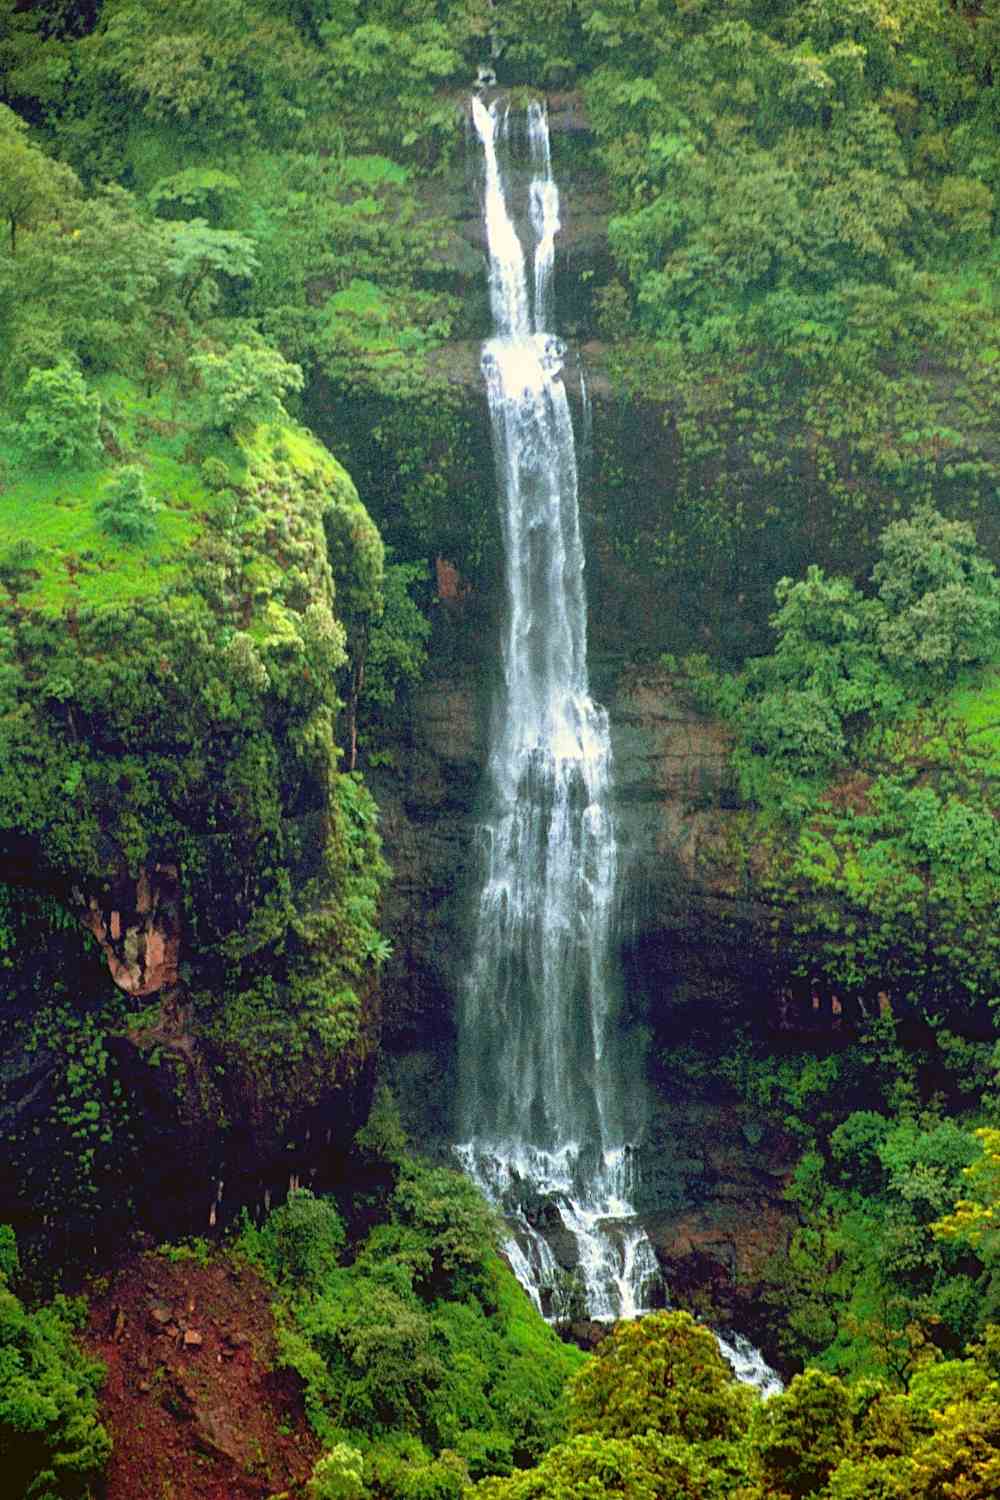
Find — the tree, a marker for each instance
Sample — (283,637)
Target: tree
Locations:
(805,1432)
(338,1475)
(31,183)
(197,254)
(61,421)
(662,1373)
(51,1442)
(940,593)
(246,386)
(976,1218)
(302,1240)
(126,508)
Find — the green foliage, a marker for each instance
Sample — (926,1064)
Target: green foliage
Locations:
(337,1475)
(195,192)
(415,1344)
(804,1433)
(397,649)
(663,1372)
(941,595)
(976,1218)
(126,509)
(32,185)
(52,1443)
(301,1242)
(844,662)
(246,386)
(61,417)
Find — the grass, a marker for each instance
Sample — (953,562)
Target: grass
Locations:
(976,704)
(72,562)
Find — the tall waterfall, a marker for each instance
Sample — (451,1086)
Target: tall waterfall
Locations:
(548,1111)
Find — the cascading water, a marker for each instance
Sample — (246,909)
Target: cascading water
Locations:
(547,1120)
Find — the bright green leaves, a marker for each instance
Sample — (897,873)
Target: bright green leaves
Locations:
(941,595)
(196,253)
(32,185)
(197,191)
(975,1218)
(126,509)
(415,1343)
(845,661)
(661,1373)
(246,386)
(761,152)
(61,418)
(656,1414)
(382,81)
(53,1446)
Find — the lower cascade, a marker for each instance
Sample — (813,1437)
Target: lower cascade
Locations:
(549,1114)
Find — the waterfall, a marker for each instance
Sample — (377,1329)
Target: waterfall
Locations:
(548,1114)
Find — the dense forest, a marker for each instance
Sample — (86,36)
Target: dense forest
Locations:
(248,534)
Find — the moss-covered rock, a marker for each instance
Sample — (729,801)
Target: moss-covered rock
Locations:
(190,878)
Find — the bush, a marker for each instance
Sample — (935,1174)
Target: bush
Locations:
(51,1443)
(662,1373)
(246,386)
(126,509)
(301,1242)
(337,1475)
(61,421)
(805,1434)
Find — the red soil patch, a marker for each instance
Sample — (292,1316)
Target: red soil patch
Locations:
(192,1400)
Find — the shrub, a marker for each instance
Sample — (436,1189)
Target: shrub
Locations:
(337,1475)
(662,1373)
(51,1442)
(62,418)
(301,1241)
(246,386)
(126,509)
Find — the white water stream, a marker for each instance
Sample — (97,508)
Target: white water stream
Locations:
(549,1107)
(546,1125)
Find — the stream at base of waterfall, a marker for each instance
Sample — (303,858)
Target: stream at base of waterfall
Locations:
(550,1103)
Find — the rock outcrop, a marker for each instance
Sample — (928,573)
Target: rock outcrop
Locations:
(694,945)
(138,925)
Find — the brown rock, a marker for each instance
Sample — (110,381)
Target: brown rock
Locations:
(192,1339)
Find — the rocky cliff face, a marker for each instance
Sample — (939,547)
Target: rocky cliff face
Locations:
(694,945)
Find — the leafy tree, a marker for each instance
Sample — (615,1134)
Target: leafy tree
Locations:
(338,1475)
(235,70)
(976,1218)
(101,292)
(198,254)
(301,1242)
(805,1432)
(941,595)
(51,1443)
(61,417)
(662,1373)
(246,385)
(592,1467)
(197,192)
(31,183)
(126,509)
